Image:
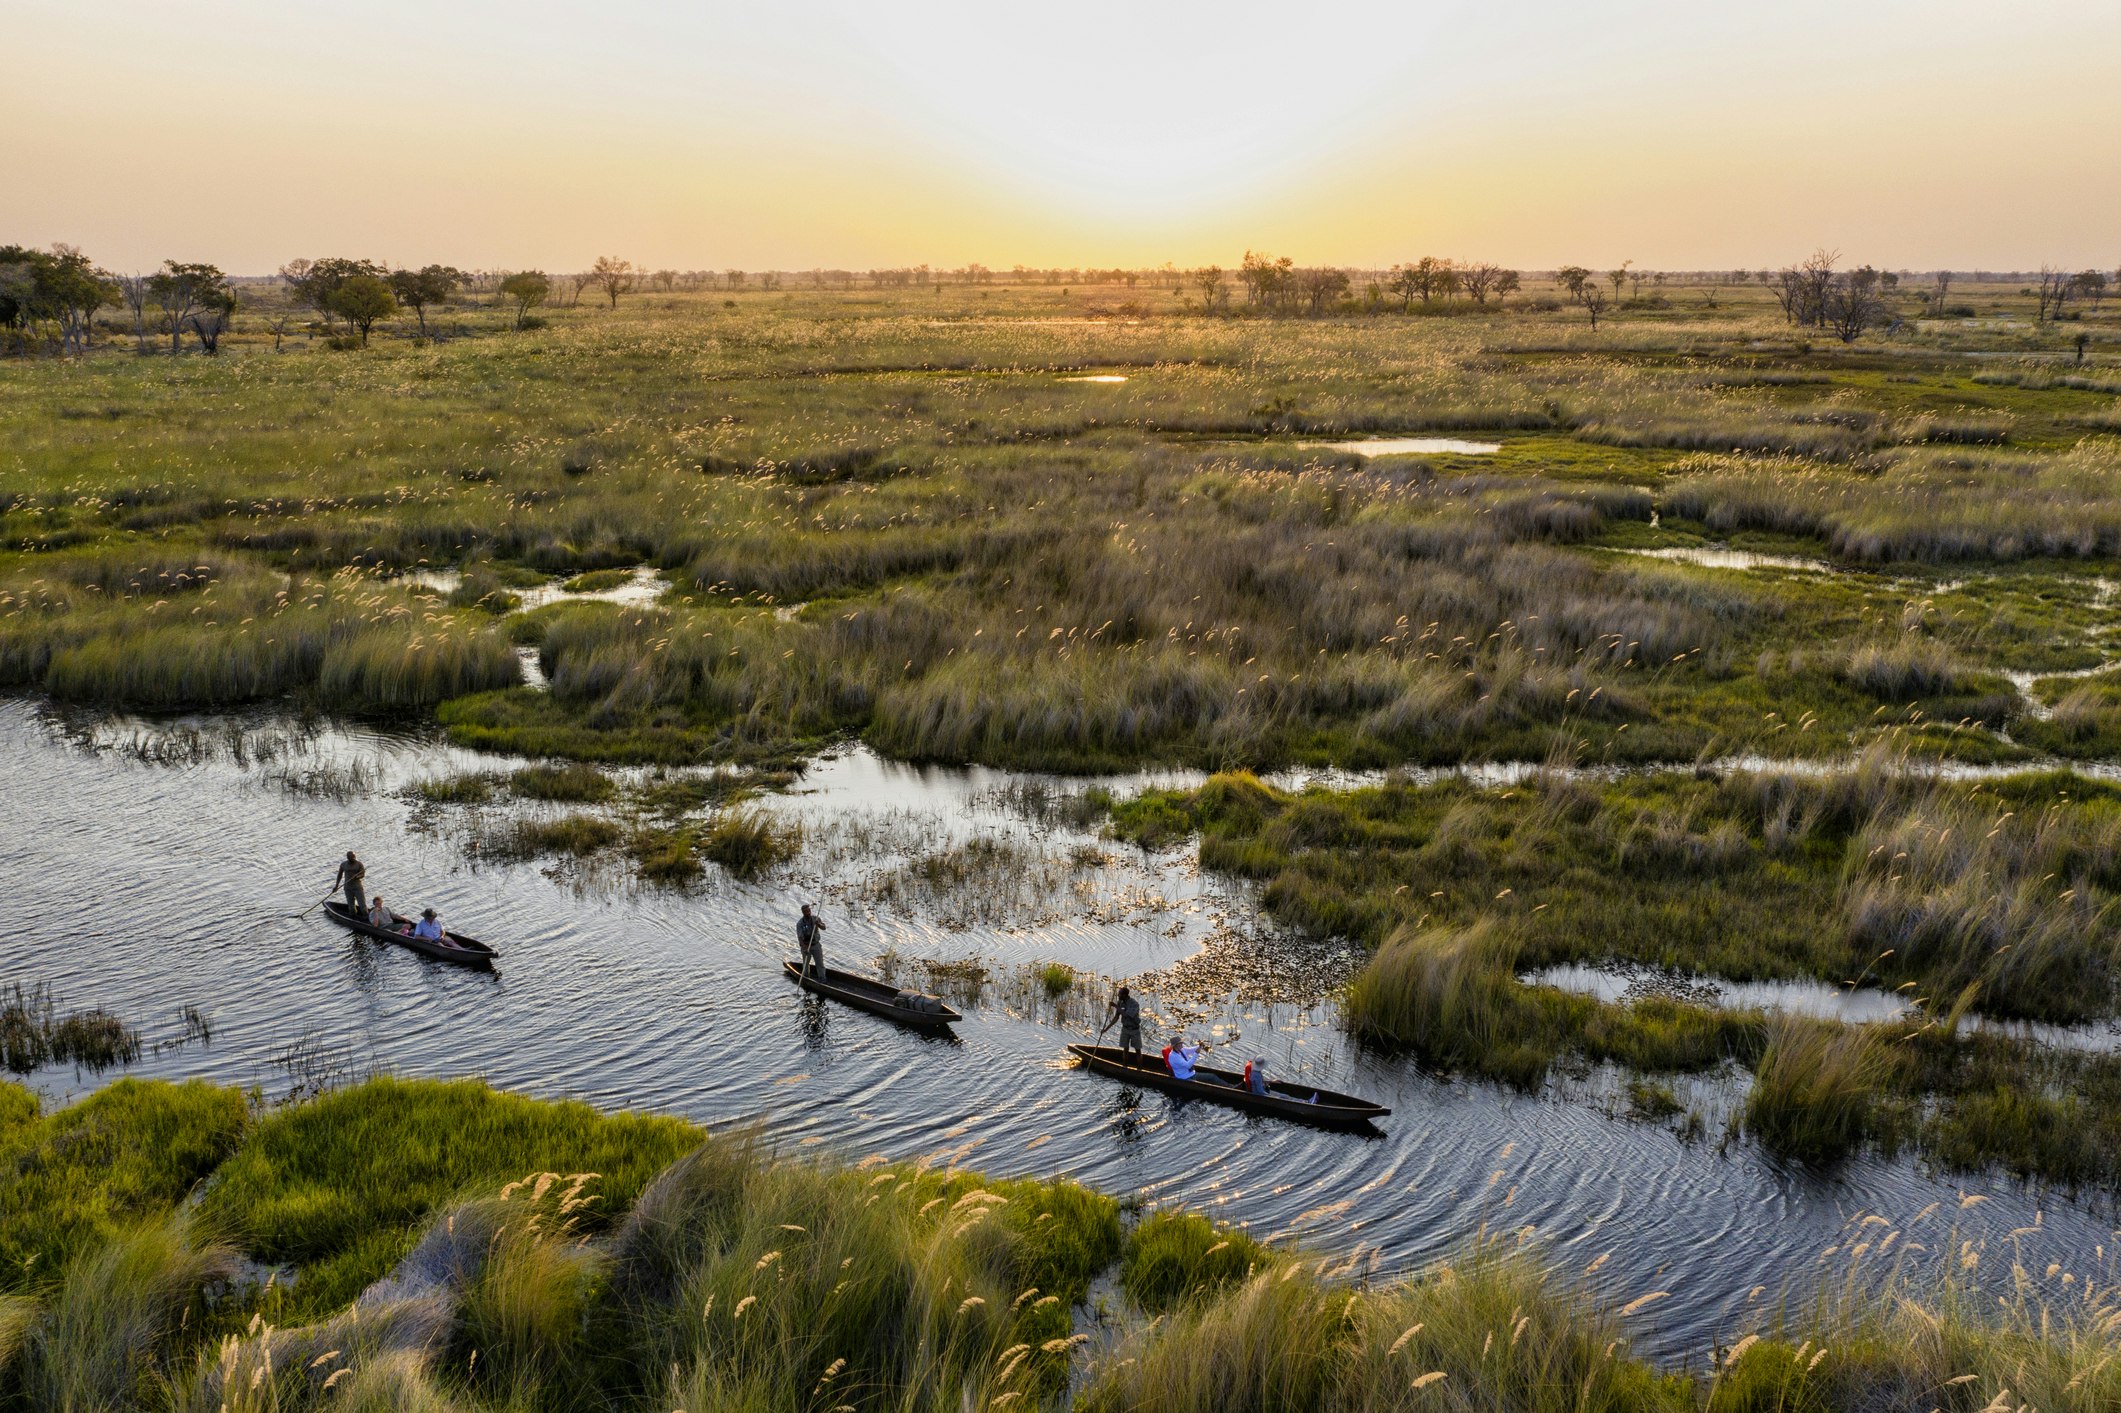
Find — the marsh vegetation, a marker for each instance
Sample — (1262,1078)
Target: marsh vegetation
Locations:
(341,1258)
(1732,603)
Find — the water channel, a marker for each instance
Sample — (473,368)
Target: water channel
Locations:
(150,865)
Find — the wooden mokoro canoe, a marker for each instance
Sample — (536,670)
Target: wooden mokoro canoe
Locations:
(468,951)
(878,997)
(1282,1099)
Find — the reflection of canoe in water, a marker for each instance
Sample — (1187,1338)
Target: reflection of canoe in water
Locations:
(1282,1099)
(469,951)
(881,998)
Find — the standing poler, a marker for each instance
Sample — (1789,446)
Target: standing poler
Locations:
(353,876)
(1128,1012)
(809,938)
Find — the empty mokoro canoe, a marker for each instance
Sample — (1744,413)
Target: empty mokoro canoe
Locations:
(879,997)
(1285,1100)
(467,951)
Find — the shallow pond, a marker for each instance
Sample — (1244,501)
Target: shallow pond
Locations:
(1409,446)
(153,865)
(1713,557)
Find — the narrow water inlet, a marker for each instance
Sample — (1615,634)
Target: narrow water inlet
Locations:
(1618,982)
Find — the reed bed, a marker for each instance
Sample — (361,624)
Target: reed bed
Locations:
(1153,571)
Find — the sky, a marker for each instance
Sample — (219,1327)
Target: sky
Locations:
(1680,134)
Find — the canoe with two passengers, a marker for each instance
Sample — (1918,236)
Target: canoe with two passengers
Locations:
(1303,1102)
(466,951)
(879,997)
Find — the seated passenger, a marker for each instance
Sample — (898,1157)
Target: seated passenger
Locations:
(380,916)
(1256,1076)
(429,928)
(1181,1058)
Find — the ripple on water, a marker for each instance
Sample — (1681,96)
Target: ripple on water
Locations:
(172,884)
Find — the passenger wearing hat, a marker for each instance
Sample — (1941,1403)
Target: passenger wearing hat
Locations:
(429,927)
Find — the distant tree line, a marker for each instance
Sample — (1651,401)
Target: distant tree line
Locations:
(1278,285)
(53,296)
(50,298)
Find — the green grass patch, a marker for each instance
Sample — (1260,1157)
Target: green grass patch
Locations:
(574,783)
(338,1186)
(126,1154)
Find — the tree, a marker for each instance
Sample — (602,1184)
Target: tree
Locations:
(360,301)
(528,289)
(580,280)
(1816,278)
(2053,291)
(1619,277)
(1592,298)
(1214,294)
(1573,279)
(18,287)
(1321,287)
(666,280)
(60,286)
(734,278)
(70,289)
(1939,288)
(1480,280)
(1405,283)
(614,277)
(2088,285)
(416,289)
(136,293)
(312,282)
(1789,288)
(1853,302)
(1422,280)
(182,290)
(1267,281)
(213,319)
(1507,282)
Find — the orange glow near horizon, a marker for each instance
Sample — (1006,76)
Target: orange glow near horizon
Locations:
(845,136)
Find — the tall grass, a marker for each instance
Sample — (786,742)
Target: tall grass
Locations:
(120,1317)
(1816,1089)
(78,1177)
(749,843)
(732,1279)
(338,1186)
(1492,1330)
(1175,1256)
(1963,894)
(1930,504)
(1450,994)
